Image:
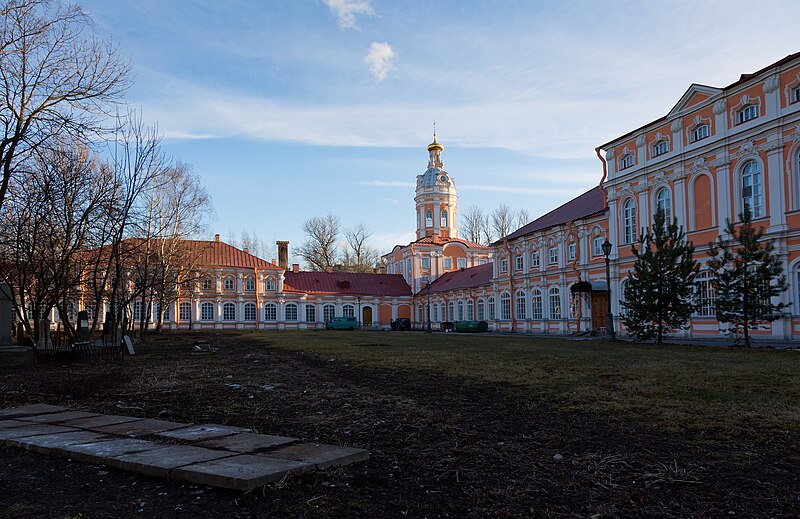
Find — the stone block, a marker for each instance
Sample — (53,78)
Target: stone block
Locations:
(202,432)
(319,455)
(58,417)
(143,427)
(101,421)
(247,442)
(241,472)
(98,452)
(159,462)
(30,410)
(47,442)
(32,429)
(5,424)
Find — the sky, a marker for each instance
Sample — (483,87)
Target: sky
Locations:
(290,109)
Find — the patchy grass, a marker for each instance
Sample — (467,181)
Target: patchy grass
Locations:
(719,393)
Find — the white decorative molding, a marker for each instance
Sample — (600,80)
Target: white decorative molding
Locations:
(771,84)
(719,107)
(676,126)
(640,141)
(697,121)
(771,146)
(745,100)
(787,92)
(609,155)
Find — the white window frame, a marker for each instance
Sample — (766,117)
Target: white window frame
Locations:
(705,294)
(470,310)
(250,311)
(290,312)
(250,285)
(269,285)
(626,161)
(207,284)
(491,307)
(310,313)
(519,262)
(535,260)
(664,202)
(348,310)
(660,148)
(185,311)
(270,312)
(796,94)
(230,285)
(503,265)
(700,132)
(505,306)
(520,306)
(480,310)
(206,311)
(428,218)
(448,263)
(572,251)
(751,177)
(229,311)
(461,263)
(597,246)
(747,113)
(554,303)
(536,305)
(552,255)
(328,312)
(629,221)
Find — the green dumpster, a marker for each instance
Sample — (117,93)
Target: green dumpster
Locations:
(471,326)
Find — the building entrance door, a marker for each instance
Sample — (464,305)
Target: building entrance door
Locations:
(366,316)
(599,309)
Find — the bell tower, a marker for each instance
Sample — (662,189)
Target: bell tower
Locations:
(436,199)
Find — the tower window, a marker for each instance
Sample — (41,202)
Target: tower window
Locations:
(428,218)
(444,218)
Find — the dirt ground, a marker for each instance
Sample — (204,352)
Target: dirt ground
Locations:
(440,447)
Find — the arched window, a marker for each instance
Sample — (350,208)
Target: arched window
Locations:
(752,198)
(450,312)
(536,305)
(444,218)
(555,303)
(311,313)
(249,311)
(428,218)
(574,304)
(328,313)
(505,306)
(664,204)
(270,312)
(629,220)
(269,285)
(137,312)
(481,310)
(229,312)
(490,304)
(470,310)
(420,318)
(349,311)
(290,312)
(435,312)
(185,311)
(460,307)
(706,294)
(206,311)
(520,306)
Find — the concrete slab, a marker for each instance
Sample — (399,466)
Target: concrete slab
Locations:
(247,442)
(32,429)
(30,410)
(101,421)
(319,455)
(241,472)
(159,462)
(144,427)
(98,452)
(58,417)
(4,424)
(47,442)
(202,432)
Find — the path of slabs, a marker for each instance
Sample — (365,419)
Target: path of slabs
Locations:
(209,454)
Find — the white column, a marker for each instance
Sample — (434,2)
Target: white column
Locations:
(613,225)
(645,215)
(680,203)
(723,197)
(437,218)
(777,202)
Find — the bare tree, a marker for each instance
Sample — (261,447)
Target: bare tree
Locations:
(502,221)
(523,217)
(358,256)
(321,250)
(475,226)
(56,79)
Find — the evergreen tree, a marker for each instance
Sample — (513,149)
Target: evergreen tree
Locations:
(659,297)
(749,276)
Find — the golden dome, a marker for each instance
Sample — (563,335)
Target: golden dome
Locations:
(435,145)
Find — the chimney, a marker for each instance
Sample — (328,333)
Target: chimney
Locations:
(246,250)
(295,267)
(382,269)
(283,254)
(330,270)
(216,238)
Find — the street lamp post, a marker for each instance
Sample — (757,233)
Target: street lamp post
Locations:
(358,299)
(428,308)
(610,319)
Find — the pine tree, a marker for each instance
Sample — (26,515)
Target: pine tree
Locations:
(749,276)
(659,297)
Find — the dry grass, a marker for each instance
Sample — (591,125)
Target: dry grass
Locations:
(717,392)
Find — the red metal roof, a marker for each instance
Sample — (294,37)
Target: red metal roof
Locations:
(220,254)
(590,203)
(346,283)
(464,278)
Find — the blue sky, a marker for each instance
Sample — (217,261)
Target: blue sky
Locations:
(296,108)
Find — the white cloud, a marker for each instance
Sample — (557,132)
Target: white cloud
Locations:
(380,59)
(347,10)
(387,183)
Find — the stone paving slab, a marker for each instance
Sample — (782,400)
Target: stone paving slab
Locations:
(30,410)
(241,472)
(47,442)
(58,417)
(144,427)
(319,455)
(247,442)
(101,421)
(32,429)
(99,452)
(160,461)
(202,432)
(5,424)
